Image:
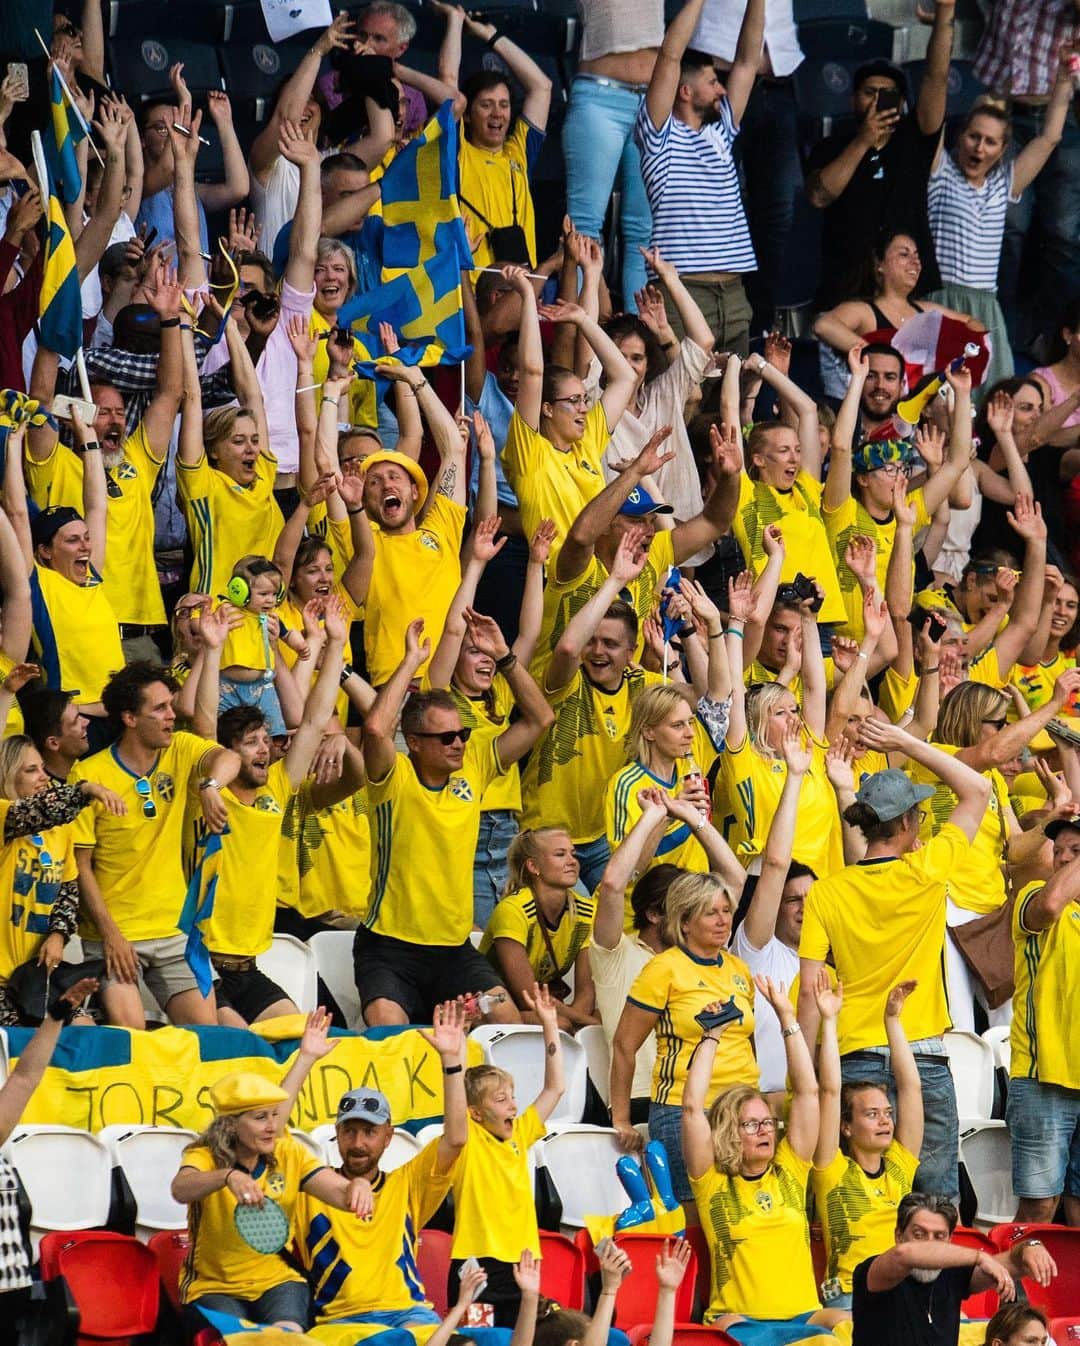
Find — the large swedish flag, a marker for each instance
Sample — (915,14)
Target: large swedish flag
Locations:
(423,249)
(60,302)
(63,134)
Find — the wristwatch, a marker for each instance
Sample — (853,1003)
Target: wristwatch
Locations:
(209,783)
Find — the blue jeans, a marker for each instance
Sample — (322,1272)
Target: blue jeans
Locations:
(592,856)
(1044,1123)
(665,1125)
(498,828)
(1052,203)
(288,1302)
(598,146)
(939,1158)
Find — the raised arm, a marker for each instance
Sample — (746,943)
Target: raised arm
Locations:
(220,195)
(534,713)
(909,1099)
(620,378)
(381,723)
(482,548)
(95,498)
(934,90)
(160,416)
(1026,519)
(829,1002)
(531,614)
(319,705)
(739,81)
(664,84)
(294,145)
(544,1005)
(190,444)
(759,924)
(937,489)
(804,1120)
(796,406)
(971,789)
(530,350)
(246,382)
(627,566)
(17,621)
(91,243)
(625,862)
(813,673)
(536,84)
(693,320)
(838,478)
(185,148)
(1031,160)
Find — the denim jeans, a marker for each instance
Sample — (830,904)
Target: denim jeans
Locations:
(665,1125)
(498,828)
(939,1158)
(592,857)
(288,1302)
(1052,203)
(598,146)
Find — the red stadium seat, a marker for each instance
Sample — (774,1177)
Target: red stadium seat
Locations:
(96,1265)
(433,1262)
(686,1334)
(562,1270)
(985,1303)
(170,1247)
(695,1236)
(1065,1331)
(637,1295)
(1061,1298)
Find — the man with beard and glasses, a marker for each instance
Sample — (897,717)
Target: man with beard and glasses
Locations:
(365,1271)
(686,129)
(911,1295)
(132,462)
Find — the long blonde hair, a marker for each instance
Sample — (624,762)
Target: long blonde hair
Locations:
(12,752)
(689,896)
(760,703)
(651,709)
(525,847)
(963,711)
(724,1124)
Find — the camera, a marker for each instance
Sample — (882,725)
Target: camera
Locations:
(799,590)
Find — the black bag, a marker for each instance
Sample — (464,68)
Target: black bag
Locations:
(28,984)
(508,242)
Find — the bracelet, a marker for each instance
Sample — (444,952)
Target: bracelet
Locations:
(790,1032)
(90,446)
(331,401)
(347,671)
(685,631)
(861,655)
(452,1070)
(733,631)
(493,39)
(929,670)
(719,635)
(506,663)
(358,510)
(185,327)
(168,322)
(669,346)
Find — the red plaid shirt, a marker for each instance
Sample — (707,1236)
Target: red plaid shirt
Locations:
(1019,51)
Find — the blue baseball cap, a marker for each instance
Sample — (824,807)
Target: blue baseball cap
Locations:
(639,503)
(364,1105)
(891,794)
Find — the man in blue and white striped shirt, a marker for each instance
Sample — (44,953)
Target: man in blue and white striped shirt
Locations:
(686,129)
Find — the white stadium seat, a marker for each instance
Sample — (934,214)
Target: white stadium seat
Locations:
(67,1174)
(971,1061)
(309,1141)
(999,1038)
(334,960)
(150,1157)
(986,1154)
(597,1058)
(581,1161)
(403,1147)
(519,1050)
(290,963)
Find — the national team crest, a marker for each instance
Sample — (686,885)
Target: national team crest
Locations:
(430,542)
(461,789)
(166,786)
(275,1181)
(764,1202)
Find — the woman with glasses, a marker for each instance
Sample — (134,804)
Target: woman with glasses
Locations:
(669,995)
(867,1151)
(37,861)
(973,727)
(750,1187)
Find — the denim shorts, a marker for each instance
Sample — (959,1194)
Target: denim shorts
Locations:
(262,695)
(1044,1123)
(665,1125)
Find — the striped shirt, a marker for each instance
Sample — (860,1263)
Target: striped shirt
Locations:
(968,222)
(698,219)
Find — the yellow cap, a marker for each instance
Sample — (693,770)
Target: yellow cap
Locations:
(407,464)
(242,1091)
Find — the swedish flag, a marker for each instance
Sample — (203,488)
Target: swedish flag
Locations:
(199,906)
(60,304)
(65,132)
(423,247)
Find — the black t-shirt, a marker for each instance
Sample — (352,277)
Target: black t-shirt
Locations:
(888,188)
(1044,469)
(912,1314)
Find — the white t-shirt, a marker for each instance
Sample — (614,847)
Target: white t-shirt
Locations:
(781,964)
(614,972)
(717,33)
(275,204)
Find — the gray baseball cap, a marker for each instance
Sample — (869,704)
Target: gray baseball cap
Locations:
(891,794)
(363,1105)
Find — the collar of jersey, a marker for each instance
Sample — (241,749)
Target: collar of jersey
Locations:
(135,775)
(877,860)
(718,961)
(668,784)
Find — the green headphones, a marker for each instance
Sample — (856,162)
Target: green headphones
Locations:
(238,590)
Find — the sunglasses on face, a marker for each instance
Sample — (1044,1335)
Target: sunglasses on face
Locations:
(447,736)
(998,724)
(144,790)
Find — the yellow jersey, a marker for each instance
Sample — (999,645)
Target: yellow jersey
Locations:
(415,575)
(516,918)
(76,635)
(248,644)
(504,1228)
(131,581)
(978,884)
(488,718)
(757,672)
(986,669)
(324,862)
(32,868)
(550,483)
(370,1266)
(1044,1042)
(424,843)
(858,1211)
(884,921)
(868,764)
(746,797)
(853,519)
(759,1239)
(219,1262)
(226,520)
(494,189)
(138,860)
(567,772)
(1036,682)
(676,985)
(241,923)
(14,722)
(363,405)
(806,544)
(897,693)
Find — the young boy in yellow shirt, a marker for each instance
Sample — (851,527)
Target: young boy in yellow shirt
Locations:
(495,1218)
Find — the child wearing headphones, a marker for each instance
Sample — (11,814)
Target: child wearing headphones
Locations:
(251,672)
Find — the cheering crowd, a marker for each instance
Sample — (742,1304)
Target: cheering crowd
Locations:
(624,668)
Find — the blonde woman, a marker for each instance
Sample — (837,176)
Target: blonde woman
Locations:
(670,991)
(750,1189)
(37,861)
(542,928)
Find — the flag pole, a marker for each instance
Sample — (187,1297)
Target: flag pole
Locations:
(71,101)
(462,401)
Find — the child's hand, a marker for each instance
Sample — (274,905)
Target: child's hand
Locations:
(273,625)
(615,1266)
(470,1285)
(671,1264)
(544,1006)
(527,1274)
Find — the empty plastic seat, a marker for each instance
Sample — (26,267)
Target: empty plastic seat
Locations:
(519,1049)
(311,1143)
(403,1147)
(962,88)
(136,18)
(433,1263)
(986,1154)
(1061,1298)
(581,1161)
(254,71)
(140,69)
(637,1294)
(334,960)
(971,1060)
(149,1157)
(597,1058)
(823,88)
(67,1175)
(291,963)
(1064,1331)
(113,1279)
(847,38)
(170,1249)
(562,1270)
(985,1303)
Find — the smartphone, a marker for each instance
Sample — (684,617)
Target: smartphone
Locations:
(603,1246)
(472,1264)
(17,71)
(66,408)
(727,1013)
(889,100)
(148,241)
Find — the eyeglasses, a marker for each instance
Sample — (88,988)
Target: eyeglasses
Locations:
(44,858)
(145,790)
(446,736)
(753,1125)
(998,724)
(578,400)
(895,470)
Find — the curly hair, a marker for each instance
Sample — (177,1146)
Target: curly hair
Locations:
(724,1118)
(220,1138)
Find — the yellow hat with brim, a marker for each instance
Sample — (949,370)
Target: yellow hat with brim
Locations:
(408,465)
(243,1091)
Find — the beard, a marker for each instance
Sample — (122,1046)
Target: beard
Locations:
(924,1275)
(112,458)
